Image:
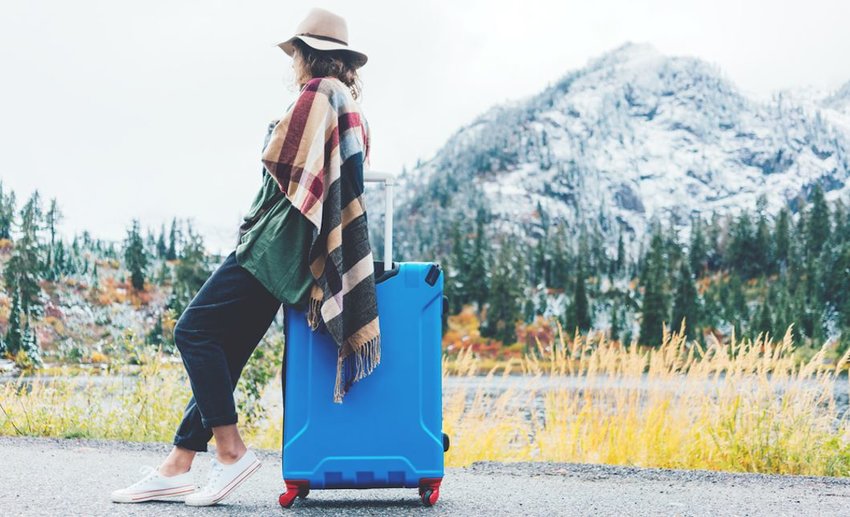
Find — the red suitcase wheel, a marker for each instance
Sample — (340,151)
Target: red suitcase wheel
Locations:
(294,488)
(287,498)
(429,496)
(429,490)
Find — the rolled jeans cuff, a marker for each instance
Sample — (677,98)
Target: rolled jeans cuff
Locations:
(219,420)
(192,445)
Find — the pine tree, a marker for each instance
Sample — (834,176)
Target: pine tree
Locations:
(560,268)
(799,309)
(764,319)
(712,238)
(673,250)
(839,223)
(742,255)
(29,344)
(712,310)
(737,308)
(477,274)
(7,213)
(25,267)
(781,238)
(95,278)
(763,249)
(171,253)
(620,263)
(161,247)
(52,219)
(799,246)
(14,331)
(797,269)
(61,265)
(655,304)
(614,334)
(456,270)
(504,307)
(698,253)
(838,292)
(685,302)
(150,243)
(578,311)
(783,314)
(541,261)
(817,223)
(75,247)
(135,256)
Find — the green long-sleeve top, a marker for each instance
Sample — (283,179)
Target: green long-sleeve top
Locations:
(276,247)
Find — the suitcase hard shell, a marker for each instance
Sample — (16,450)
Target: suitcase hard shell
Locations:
(387,432)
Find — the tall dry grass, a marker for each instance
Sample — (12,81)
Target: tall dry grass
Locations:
(144,407)
(744,406)
(750,405)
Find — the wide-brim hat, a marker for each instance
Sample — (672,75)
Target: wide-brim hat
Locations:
(324,30)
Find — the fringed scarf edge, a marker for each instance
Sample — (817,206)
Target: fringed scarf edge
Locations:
(355,365)
(314,310)
(355,360)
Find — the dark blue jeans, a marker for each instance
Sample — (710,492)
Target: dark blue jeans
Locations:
(216,335)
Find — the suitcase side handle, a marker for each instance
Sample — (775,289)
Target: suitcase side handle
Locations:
(389,181)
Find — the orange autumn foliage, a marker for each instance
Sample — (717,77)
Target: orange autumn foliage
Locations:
(112,290)
(464,333)
(538,330)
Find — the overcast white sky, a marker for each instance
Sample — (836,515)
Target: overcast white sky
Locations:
(157,109)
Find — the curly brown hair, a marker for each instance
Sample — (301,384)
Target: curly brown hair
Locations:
(321,63)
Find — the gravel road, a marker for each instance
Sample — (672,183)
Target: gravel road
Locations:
(43,476)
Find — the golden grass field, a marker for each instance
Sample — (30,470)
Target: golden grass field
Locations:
(749,406)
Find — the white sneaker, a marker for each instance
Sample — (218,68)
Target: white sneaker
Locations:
(223,479)
(155,486)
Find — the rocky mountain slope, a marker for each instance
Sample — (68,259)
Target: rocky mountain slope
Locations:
(633,135)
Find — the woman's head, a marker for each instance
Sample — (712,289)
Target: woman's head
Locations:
(308,62)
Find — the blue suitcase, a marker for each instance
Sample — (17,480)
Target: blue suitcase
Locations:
(391,419)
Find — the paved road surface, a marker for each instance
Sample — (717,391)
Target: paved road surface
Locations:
(40,476)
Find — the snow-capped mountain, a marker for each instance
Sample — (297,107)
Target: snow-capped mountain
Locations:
(837,106)
(632,135)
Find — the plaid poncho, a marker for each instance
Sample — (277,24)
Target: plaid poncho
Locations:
(317,154)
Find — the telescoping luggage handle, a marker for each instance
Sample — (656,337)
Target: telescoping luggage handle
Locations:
(389,181)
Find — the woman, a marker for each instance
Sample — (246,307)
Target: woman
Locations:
(231,312)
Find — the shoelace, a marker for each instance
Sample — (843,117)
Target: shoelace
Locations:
(215,470)
(147,471)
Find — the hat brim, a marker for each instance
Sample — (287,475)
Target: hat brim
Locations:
(357,59)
